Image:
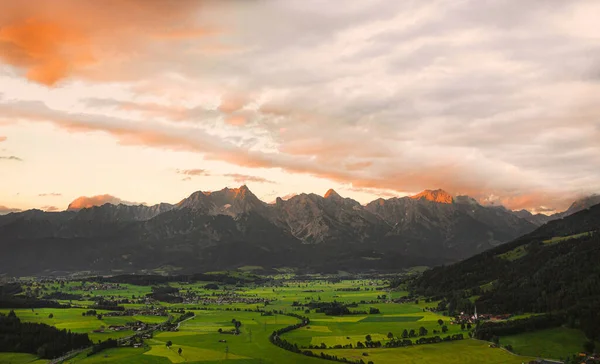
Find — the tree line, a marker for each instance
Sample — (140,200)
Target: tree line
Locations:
(39,339)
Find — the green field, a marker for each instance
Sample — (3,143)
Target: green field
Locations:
(199,337)
(559,239)
(20,358)
(459,352)
(557,343)
(516,253)
(71,319)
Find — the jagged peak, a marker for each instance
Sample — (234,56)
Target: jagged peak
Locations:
(332,194)
(439,196)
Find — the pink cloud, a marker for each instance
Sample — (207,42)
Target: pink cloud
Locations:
(98,200)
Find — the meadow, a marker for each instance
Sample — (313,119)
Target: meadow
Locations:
(200,340)
(558,342)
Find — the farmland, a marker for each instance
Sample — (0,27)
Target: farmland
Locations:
(235,322)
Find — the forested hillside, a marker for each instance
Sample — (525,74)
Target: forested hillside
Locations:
(554,269)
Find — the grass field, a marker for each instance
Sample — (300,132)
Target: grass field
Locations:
(559,239)
(20,358)
(199,338)
(552,343)
(457,352)
(71,319)
(516,253)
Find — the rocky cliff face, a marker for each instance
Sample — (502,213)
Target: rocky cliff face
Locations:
(439,196)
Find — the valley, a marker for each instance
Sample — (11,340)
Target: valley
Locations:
(210,335)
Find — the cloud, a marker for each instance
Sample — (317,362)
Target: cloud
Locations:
(98,200)
(236,120)
(7,210)
(243,178)
(232,102)
(11,158)
(414,168)
(50,43)
(2,139)
(50,208)
(472,97)
(193,172)
(51,194)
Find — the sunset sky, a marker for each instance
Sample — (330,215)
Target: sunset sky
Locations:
(149,101)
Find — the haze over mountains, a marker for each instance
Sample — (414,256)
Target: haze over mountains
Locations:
(232,227)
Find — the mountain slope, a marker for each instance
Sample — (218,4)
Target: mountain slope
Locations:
(314,219)
(232,227)
(461,228)
(553,268)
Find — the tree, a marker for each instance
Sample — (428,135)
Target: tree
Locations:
(390,335)
(440,322)
(405,333)
(169,344)
(444,329)
(179,351)
(368,338)
(99,317)
(360,345)
(589,346)
(422,331)
(51,316)
(469,326)
(496,340)
(462,326)
(412,333)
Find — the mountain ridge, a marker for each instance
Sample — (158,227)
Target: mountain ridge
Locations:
(307,231)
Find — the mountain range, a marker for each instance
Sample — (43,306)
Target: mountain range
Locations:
(232,228)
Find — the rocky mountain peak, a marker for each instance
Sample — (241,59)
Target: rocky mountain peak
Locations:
(331,194)
(439,196)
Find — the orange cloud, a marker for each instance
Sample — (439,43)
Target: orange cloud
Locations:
(236,120)
(7,210)
(84,202)
(537,201)
(50,208)
(450,176)
(243,178)
(2,138)
(358,165)
(53,40)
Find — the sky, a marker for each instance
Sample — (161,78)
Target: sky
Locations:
(140,101)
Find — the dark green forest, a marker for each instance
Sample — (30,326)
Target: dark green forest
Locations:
(554,269)
(39,339)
